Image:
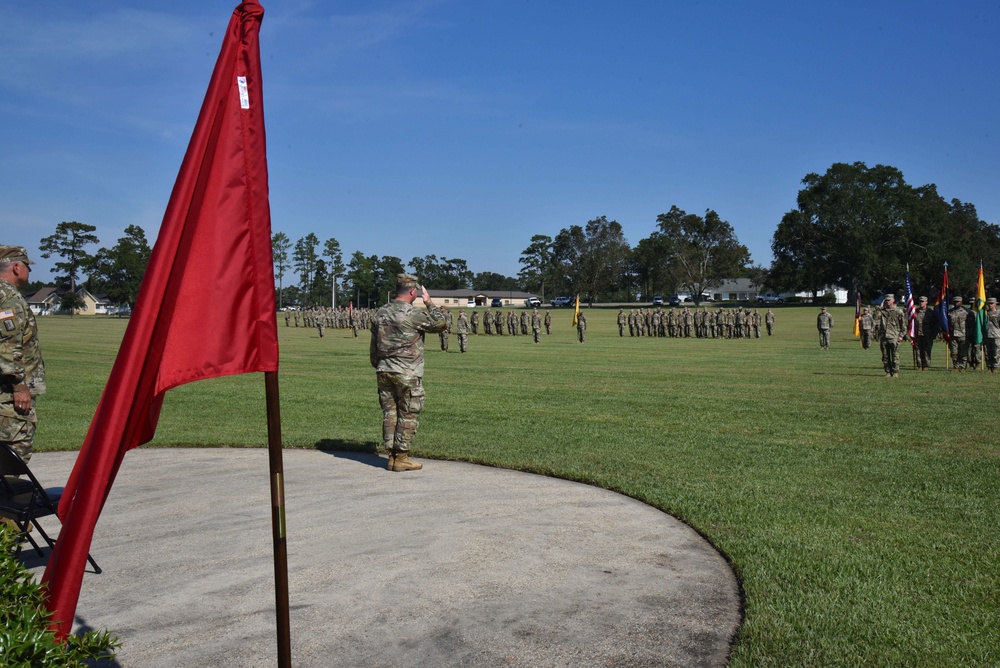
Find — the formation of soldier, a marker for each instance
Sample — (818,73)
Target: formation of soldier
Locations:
(510,323)
(722,323)
(325,317)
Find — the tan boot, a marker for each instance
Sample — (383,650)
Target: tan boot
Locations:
(392,459)
(400,461)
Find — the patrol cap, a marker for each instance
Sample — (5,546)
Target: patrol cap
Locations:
(891,296)
(922,299)
(406,281)
(991,300)
(957,299)
(14,254)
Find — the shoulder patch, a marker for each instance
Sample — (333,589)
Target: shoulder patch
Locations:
(9,313)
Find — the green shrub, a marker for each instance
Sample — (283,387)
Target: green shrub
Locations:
(25,638)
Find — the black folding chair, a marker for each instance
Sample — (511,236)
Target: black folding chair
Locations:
(24,500)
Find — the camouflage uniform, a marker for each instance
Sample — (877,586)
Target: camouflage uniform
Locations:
(397,353)
(925,330)
(892,326)
(958,318)
(548,322)
(769,321)
(474,323)
(824,323)
(866,326)
(536,325)
(449,325)
(992,340)
(581,327)
(21,365)
(622,320)
(463,332)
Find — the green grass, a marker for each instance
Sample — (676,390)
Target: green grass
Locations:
(861,513)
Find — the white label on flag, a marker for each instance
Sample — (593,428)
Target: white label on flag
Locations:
(244,96)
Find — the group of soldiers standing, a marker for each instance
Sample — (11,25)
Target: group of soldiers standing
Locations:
(325,317)
(732,323)
(889,324)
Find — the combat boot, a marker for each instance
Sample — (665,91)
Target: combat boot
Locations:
(400,461)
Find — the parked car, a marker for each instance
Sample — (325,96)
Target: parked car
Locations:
(470,303)
(562,301)
(770,298)
(657,301)
(532,302)
(496,302)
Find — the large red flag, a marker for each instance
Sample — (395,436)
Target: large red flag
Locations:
(206,306)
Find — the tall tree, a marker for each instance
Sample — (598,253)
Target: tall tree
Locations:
(69,242)
(280,245)
(361,279)
(702,250)
(388,269)
(604,272)
(304,260)
(118,271)
(537,261)
(567,250)
(487,281)
(332,252)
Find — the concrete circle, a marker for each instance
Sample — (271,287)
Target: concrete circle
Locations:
(454,565)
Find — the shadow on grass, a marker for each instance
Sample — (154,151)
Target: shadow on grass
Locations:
(364,452)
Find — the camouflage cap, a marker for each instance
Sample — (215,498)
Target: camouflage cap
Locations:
(957,299)
(14,254)
(406,281)
(890,296)
(991,300)
(922,299)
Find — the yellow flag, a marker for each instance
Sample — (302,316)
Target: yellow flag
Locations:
(576,311)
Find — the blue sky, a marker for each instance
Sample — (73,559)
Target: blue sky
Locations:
(462,128)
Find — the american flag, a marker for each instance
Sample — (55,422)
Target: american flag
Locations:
(911,312)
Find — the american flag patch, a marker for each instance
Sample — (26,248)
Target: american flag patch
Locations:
(9,313)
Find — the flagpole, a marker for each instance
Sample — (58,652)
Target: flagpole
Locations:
(277,477)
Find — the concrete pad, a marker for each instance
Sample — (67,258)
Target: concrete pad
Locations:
(454,565)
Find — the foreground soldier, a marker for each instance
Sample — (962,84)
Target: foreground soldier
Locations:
(22,372)
(397,353)
(925,326)
(892,325)
(824,323)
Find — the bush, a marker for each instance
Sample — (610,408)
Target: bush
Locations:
(826,299)
(25,638)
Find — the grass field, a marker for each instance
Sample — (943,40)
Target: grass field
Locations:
(861,514)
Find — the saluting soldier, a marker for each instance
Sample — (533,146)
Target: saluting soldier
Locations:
(892,325)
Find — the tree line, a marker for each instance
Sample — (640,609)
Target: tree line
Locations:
(854,227)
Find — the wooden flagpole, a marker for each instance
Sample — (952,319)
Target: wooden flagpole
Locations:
(277,476)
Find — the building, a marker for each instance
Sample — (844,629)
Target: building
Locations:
(479,298)
(47,300)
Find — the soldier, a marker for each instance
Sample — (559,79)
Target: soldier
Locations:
(631,322)
(524,322)
(755,320)
(536,324)
(925,330)
(449,324)
(958,318)
(548,322)
(463,332)
(397,353)
(474,322)
(769,321)
(288,317)
(824,323)
(866,326)
(622,320)
(22,371)
(487,323)
(320,323)
(295,316)
(892,326)
(992,341)
(498,323)
(581,326)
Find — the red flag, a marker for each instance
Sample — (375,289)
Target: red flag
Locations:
(206,306)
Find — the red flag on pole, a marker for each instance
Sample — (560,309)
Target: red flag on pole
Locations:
(206,306)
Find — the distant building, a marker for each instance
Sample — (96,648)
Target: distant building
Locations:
(479,298)
(45,301)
